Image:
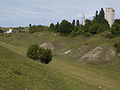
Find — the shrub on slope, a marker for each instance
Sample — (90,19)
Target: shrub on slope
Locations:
(38,53)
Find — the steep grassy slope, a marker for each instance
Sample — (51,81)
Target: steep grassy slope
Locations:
(18,73)
(65,72)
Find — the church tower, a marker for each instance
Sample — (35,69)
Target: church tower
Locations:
(83,20)
(110,15)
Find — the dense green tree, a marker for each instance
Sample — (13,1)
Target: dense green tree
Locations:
(93,29)
(88,22)
(96,16)
(117,46)
(73,24)
(32,52)
(57,27)
(52,26)
(101,15)
(115,29)
(36,28)
(44,55)
(77,23)
(100,18)
(79,29)
(38,53)
(65,27)
(117,21)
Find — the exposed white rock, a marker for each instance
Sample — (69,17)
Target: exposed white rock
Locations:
(99,54)
(47,45)
(66,52)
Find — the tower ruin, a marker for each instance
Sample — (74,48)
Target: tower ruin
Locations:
(110,15)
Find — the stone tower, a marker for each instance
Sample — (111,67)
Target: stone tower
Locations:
(83,20)
(110,15)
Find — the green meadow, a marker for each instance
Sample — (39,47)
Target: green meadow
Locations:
(65,72)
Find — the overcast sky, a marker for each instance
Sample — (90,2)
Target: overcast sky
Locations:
(24,12)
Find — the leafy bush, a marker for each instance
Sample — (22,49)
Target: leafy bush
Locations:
(52,27)
(88,34)
(44,55)
(38,53)
(117,45)
(36,28)
(32,52)
(110,36)
(115,29)
(65,27)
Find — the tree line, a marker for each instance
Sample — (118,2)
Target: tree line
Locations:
(92,27)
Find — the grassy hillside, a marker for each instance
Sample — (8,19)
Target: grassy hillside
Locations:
(65,72)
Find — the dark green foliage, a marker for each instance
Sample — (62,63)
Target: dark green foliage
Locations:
(73,24)
(77,23)
(115,29)
(1,31)
(78,30)
(88,34)
(88,22)
(97,25)
(96,16)
(101,15)
(91,27)
(100,18)
(96,28)
(57,27)
(110,36)
(65,27)
(30,25)
(37,53)
(32,52)
(36,28)
(44,55)
(117,45)
(117,21)
(52,27)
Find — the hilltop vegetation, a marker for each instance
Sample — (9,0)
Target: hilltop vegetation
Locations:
(92,27)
